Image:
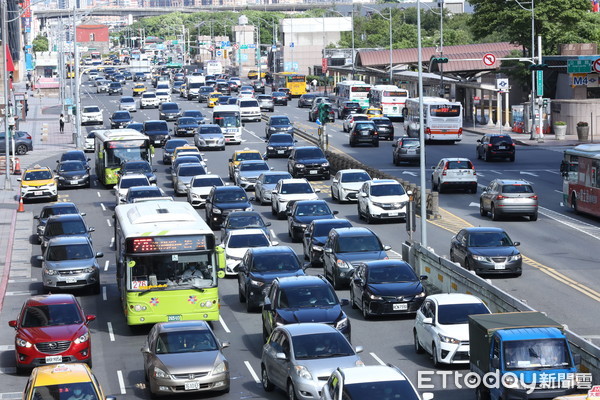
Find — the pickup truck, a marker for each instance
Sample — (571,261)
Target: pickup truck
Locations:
(526,354)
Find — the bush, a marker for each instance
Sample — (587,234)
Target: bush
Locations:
(582,123)
(560,123)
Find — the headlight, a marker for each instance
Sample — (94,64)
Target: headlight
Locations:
(195,196)
(374,297)
(479,258)
(325,164)
(516,257)
(343,264)
(89,270)
(422,294)
(23,343)
(51,272)
(341,324)
(256,283)
(159,373)
(380,205)
(448,339)
(299,165)
(269,147)
(303,372)
(83,338)
(220,368)
(243,178)
(216,210)
(249,209)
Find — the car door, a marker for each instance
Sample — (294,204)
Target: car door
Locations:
(459,247)
(485,140)
(328,254)
(291,162)
(362,200)
(281,368)
(209,205)
(426,336)
(488,195)
(357,284)
(335,184)
(435,176)
(150,344)
(243,273)
(268,316)
(307,240)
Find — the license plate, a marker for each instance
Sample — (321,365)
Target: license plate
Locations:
(411,151)
(53,359)
(157,141)
(501,147)
(191,386)
(74,182)
(173,317)
(499,266)
(280,151)
(393,214)
(71,280)
(38,193)
(400,307)
(313,172)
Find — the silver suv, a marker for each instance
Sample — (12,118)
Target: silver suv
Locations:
(509,197)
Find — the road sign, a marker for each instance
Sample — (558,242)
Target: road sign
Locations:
(594,391)
(219,53)
(244,46)
(225,43)
(211,48)
(579,66)
(489,59)
(274,47)
(540,83)
(596,65)
(502,84)
(251,46)
(292,44)
(236,46)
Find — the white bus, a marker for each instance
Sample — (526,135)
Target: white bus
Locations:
(442,118)
(353,91)
(229,119)
(390,99)
(213,67)
(167,263)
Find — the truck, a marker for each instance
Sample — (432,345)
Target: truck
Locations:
(520,355)
(192,85)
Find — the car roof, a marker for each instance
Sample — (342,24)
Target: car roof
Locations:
(359,115)
(65,217)
(134,176)
(371,373)
(308,328)
(279,116)
(207,176)
(375,182)
(350,170)
(253,162)
(246,231)
(228,188)
(47,299)
(294,180)
(354,231)
(271,250)
(454,298)
(301,280)
(244,214)
(60,204)
(176,326)
(72,162)
(383,263)
(456,159)
(65,240)
(310,202)
(381,119)
(307,147)
(330,221)
(60,374)
(144,187)
(474,229)
(245,151)
(512,181)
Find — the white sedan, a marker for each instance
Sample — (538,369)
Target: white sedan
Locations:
(351,119)
(237,241)
(200,187)
(347,182)
(127,181)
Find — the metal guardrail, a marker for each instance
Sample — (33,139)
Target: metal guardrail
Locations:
(448,277)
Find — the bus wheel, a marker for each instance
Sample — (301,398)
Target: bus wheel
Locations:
(574,203)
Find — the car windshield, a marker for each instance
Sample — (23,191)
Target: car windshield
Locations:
(65,391)
(296,188)
(489,239)
(382,122)
(37,175)
(192,113)
(245,221)
(170,107)
(352,177)
(121,115)
(263,97)
(308,296)
(136,167)
(51,315)
(387,190)
(156,127)
(248,156)
(49,211)
(241,241)
(75,227)
(191,170)
(69,252)
(354,244)
(535,354)
(254,167)
(227,121)
(398,389)
(149,96)
(185,342)
(187,121)
(173,144)
(500,139)
(309,153)
(127,100)
(207,182)
(231,196)
(280,120)
(360,118)
(517,188)
(312,210)
(275,262)
(71,166)
(206,130)
(273,179)
(321,345)
(364,127)
(143,193)
(459,164)
(129,182)
(391,274)
(249,103)
(281,139)
(453,314)
(324,228)
(91,110)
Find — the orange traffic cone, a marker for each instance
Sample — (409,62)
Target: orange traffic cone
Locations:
(21,206)
(17,167)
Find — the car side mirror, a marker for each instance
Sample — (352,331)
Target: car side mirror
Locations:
(387,247)
(334,180)
(328,250)
(99,254)
(275,243)
(90,318)
(288,213)
(317,190)
(516,244)
(225,345)
(433,167)
(358,349)
(423,277)
(83,214)
(363,194)
(241,268)
(336,212)
(306,266)
(36,217)
(18,179)
(394,145)
(478,140)
(281,356)
(145,349)
(39,258)
(267,224)
(154,170)
(267,305)
(274,191)
(91,229)
(231,160)
(12,324)
(110,398)
(427,321)
(344,302)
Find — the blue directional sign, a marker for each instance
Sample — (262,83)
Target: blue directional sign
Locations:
(251,46)
(274,47)
(292,44)
(225,43)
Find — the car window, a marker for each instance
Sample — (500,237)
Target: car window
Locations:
(37,175)
(275,262)
(391,274)
(69,252)
(280,121)
(55,228)
(309,153)
(500,139)
(387,190)
(307,297)
(321,345)
(272,179)
(312,210)
(47,212)
(191,170)
(241,241)
(185,342)
(459,164)
(296,188)
(451,314)
(254,167)
(207,182)
(323,229)
(248,156)
(517,188)
(231,196)
(71,166)
(352,177)
(489,239)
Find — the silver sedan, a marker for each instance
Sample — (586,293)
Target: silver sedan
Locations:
(184,357)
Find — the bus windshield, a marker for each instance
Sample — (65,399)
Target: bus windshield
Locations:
(227,120)
(170,271)
(118,153)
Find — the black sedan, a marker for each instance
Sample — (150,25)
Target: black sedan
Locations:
(279,98)
(315,237)
(197,114)
(139,167)
(120,119)
(186,126)
(306,100)
(73,173)
(280,145)
(222,200)
(386,287)
(303,212)
(347,108)
(486,251)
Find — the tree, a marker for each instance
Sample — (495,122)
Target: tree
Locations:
(40,43)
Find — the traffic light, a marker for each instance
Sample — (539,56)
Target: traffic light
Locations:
(537,67)
(225,54)
(324,110)
(440,60)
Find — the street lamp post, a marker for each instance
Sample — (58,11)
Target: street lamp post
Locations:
(442,91)
(421,133)
(7,182)
(389,19)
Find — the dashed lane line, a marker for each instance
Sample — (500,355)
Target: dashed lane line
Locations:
(379,360)
(106,265)
(111,333)
(104,296)
(224,325)
(252,372)
(121,382)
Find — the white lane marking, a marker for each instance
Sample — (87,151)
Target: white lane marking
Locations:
(121,382)
(6,347)
(580,226)
(22,293)
(224,325)
(473,204)
(106,265)
(552,171)
(11,395)
(273,234)
(528,173)
(558,191)
(409,173)
(98,193)
(108,222)
(379,360)
(103,206)
(7,371)
(104,296)
(254,134)
(496,172)
(111,333)
(254,376)
(112,242)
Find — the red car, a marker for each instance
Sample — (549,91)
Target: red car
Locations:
(52,329)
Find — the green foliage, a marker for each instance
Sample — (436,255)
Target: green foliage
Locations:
(40,43)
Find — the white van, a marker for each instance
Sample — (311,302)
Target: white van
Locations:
(249,109)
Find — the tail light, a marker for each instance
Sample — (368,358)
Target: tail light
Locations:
(490,145)
(460,131)
(512,144)
(500,197)
(428,132)
(445,168)
(534,197)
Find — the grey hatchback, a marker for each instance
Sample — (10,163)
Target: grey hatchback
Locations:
(509,197)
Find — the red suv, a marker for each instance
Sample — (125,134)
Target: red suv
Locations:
(51,329)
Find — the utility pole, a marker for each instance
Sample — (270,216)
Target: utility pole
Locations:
(540,91)
(77,82)
(441,65)
(7,116)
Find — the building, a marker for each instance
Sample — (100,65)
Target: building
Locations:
(94,36)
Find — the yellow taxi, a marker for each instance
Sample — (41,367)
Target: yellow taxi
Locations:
(242,155)
(37,183)
(183,149)
(373,112)
(63,381)
(213,98)
(253,74)
(138,89)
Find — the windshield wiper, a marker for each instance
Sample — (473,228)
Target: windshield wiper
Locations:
(332,355)
(151,289)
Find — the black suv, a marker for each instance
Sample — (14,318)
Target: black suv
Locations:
(493,145)
(157,131)
(347,108)
(169,111)
(300,299)
(364,132)
(279,124)
(223,200)
(385,127)
(259,267)
(115,88)
(308,161)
